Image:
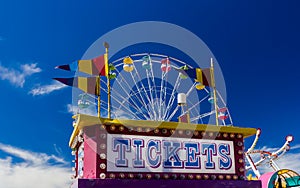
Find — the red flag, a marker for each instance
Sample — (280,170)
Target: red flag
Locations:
(185,118)
(101,65)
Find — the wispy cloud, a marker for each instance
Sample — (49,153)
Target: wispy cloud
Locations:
(91,110)
(2,38)
(46,89)
(58,150)
(33,158)
(121,114)
(73,109)
(35,170)
(17,77)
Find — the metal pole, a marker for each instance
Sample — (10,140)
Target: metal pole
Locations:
(98,93)
(212,76)
(106,45)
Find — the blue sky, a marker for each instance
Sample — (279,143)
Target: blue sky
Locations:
(255,42)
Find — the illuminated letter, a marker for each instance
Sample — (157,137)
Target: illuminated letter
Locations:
(192,150)
(138,162)
(209,149)
(224,161)
(121,145)
(153,146)
(171,149)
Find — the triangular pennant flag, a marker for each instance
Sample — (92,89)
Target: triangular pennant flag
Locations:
(87,84)
(200,75)
(70,67)
(95,66)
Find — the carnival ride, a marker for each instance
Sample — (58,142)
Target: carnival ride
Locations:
(149,94)
(278,177)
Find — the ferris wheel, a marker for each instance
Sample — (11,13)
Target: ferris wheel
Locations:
(150,86)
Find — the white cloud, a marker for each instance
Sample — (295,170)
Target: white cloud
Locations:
(29,69)
(73,109)
(91,110)
(46,89)
(36,169)
(17,77)
(121,114)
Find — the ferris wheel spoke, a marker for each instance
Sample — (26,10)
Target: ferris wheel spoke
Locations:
(104,83)
(123,114)
(151,96)
(203,115)
(150,102)
(91,96)
(174,112)
(126,101)
(128,110)
(167,113)
(91,102)
(193,109)
(141,96)
(116,113)
(152,74)
(153,79)
(123,80)
(189,109)
(200,117)
(165,96)
(191,89)
(126,83)
(161,95)
(172,98)
(104,107)
(192,115)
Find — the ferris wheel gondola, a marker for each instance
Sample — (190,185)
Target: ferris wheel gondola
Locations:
(83,101)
